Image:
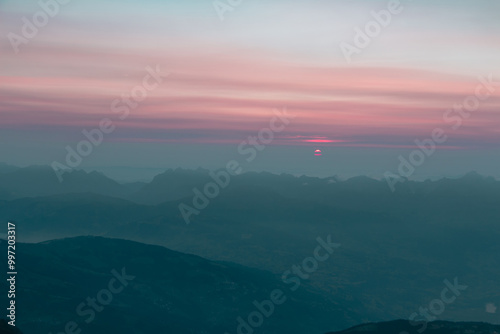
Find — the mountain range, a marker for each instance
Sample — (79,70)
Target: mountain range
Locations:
(397,248)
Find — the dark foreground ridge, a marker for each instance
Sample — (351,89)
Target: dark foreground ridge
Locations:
(436,327)
(104,286)
(5,328)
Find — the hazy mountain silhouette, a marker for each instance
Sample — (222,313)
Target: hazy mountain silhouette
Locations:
(6,168)
(42,181)
(177,184)
(171,185)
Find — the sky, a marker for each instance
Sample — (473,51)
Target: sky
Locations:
(208,74)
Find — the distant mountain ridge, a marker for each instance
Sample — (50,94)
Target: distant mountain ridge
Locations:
(6,168)
(35,181)
(171,185)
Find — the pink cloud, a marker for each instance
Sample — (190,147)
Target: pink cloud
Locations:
(221,99)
